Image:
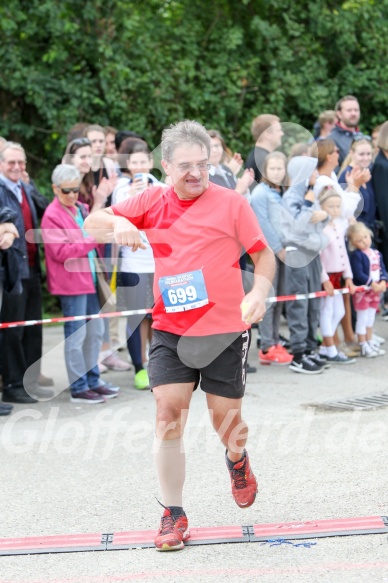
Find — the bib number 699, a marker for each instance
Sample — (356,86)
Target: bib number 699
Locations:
(182,295)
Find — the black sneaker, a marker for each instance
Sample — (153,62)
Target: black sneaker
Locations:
(251,369)
(319,359)
(5,409)
(305,366)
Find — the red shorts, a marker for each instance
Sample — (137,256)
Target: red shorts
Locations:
(336,280)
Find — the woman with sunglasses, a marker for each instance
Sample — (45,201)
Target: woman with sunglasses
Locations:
(360,156)
(104,169)
(79,153)
(71,275)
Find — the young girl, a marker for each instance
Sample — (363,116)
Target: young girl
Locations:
(368,269)
(335,269)
(266,203)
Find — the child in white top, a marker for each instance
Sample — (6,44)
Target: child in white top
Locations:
(136,270)
(336,273)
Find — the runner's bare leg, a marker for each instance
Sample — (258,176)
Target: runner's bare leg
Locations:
(227,421)
(172,406)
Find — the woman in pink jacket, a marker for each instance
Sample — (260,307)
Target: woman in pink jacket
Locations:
(71,274)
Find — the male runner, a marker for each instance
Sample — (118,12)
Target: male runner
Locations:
(197,231)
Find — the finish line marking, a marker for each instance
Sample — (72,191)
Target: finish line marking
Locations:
(144,539)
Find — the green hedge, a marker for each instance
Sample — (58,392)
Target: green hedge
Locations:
(142,65)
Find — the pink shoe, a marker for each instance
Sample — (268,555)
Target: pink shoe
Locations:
(113,362)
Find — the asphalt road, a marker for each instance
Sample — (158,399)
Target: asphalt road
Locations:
(70,469)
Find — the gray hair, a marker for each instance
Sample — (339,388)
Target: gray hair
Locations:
(65,173)
(10,146)
(184,132)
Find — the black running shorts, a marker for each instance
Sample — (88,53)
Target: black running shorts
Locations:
(217,362)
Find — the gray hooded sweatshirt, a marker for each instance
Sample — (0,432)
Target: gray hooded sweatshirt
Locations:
(297,230)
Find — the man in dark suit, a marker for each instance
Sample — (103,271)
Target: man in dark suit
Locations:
(8,274)
(22,346)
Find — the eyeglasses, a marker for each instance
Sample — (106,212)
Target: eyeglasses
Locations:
(78,143)
(359,138)
(69,190)
(202,167)
(14,163)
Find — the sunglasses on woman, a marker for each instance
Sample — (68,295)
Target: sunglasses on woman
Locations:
(78,143)
(69,190)
(359,138)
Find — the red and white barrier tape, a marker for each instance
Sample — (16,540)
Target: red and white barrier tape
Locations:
(271,300)
(319,294)
(74,318)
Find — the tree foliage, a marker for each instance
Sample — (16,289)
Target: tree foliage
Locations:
(142,65)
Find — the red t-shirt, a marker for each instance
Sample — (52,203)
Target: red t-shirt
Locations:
(206,233)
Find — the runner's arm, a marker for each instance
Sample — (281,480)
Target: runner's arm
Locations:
(104,223)
(253,305)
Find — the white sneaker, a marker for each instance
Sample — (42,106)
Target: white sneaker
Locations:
(376,347)
(378,339)
(114,362)
(367,351)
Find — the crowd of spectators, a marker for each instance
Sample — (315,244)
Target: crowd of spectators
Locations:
(306,199)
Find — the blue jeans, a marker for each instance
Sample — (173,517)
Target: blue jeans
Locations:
(133,322)
(83,340)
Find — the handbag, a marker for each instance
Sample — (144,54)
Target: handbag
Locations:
(105,295)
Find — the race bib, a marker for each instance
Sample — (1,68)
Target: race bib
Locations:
(185,291)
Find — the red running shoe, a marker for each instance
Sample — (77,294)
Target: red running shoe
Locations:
(275,355)
(244,484)
(172,532)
